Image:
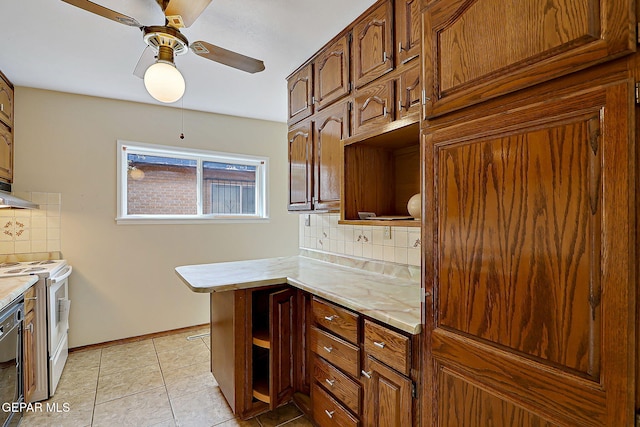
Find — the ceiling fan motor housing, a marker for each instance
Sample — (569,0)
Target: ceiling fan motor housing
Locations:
(166,37)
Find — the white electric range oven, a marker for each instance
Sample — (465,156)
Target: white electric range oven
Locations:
(52,304)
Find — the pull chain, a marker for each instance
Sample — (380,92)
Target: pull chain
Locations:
(182,112)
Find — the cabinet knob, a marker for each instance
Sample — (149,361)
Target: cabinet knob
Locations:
(328,349)
(329,413)
(379,344)
(330,382)
(366,374)
(330,318)
(31,299)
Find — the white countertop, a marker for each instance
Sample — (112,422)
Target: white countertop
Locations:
(12,287)
(392,300)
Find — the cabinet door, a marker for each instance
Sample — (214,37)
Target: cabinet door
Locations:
(29,352)
(331,73)
(300,93)
(6,103)
(408,30)
(373,107)
(373,45)
(281,325)
(481,49)
(6,154)
(409,92)
(303,354)
(329,128)
(533,269)
(300,166)
(387,396)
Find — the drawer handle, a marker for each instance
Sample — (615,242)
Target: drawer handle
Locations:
(330,382)
(330,318)
(379,344)
(31,299)
(327,349)
(366,374)
(329,413)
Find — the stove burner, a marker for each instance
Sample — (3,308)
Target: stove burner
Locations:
(8,264)
(33,269)
(17,270)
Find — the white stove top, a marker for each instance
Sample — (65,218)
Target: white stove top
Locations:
(42,268)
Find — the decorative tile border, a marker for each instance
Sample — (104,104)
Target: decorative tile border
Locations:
(31,230)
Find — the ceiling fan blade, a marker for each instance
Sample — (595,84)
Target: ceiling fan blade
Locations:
(103,11)
(147,59)
(189,10)
(227,57)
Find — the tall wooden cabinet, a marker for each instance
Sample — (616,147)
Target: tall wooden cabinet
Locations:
(530,172)
(6,129)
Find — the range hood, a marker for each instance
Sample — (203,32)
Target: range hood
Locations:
(9,201)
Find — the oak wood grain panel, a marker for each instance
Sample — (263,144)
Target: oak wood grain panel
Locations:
(337,351)
(408,34)
(331,72)
(388,346)
(517,232)
(373,45)
(406,176)
(6,153)
(281,321)
(300,93)
(368,173)
(409,92)
(481,406)
(343,388)
(6,102)
(330,127)
(388,401)
(484,48)
(328,412)
(29,362)
(336,319)
(300,154)
(532,280)
(373,106)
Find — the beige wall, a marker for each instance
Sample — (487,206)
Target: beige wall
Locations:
(123,283)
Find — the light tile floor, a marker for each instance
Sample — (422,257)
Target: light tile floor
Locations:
(160,382)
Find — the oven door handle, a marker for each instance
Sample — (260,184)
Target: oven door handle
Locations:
(63,276)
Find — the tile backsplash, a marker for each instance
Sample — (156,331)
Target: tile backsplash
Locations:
(364,241)
(31,230)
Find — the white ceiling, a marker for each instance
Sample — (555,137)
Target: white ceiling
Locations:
(50,44)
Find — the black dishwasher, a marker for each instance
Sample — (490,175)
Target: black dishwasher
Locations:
(11,393)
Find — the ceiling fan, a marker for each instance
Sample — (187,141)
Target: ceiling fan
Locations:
(156,65)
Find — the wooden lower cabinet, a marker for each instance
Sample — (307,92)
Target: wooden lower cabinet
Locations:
(388,396)
(252,347)
(29,345)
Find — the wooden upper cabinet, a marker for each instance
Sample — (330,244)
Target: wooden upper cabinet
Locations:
(300,166)
(481,49)
(331,72)
(373,106)
(407,30)
(330,127)
(6,153)
(373,45)
(6,102)
(409,92)
(300,93)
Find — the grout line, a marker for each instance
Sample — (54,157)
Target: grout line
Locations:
(291,420)
(95,396)
(164,383)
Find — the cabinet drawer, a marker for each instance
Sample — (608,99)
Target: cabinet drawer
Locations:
(336,350)
(388,346)
(29,299)
(336,319)
(327,412)
(338,384)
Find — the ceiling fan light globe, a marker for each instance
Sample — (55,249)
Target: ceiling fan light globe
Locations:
(164,82)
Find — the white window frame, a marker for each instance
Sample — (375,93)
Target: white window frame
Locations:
(262,172)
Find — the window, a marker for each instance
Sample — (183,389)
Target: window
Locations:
(158,183)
